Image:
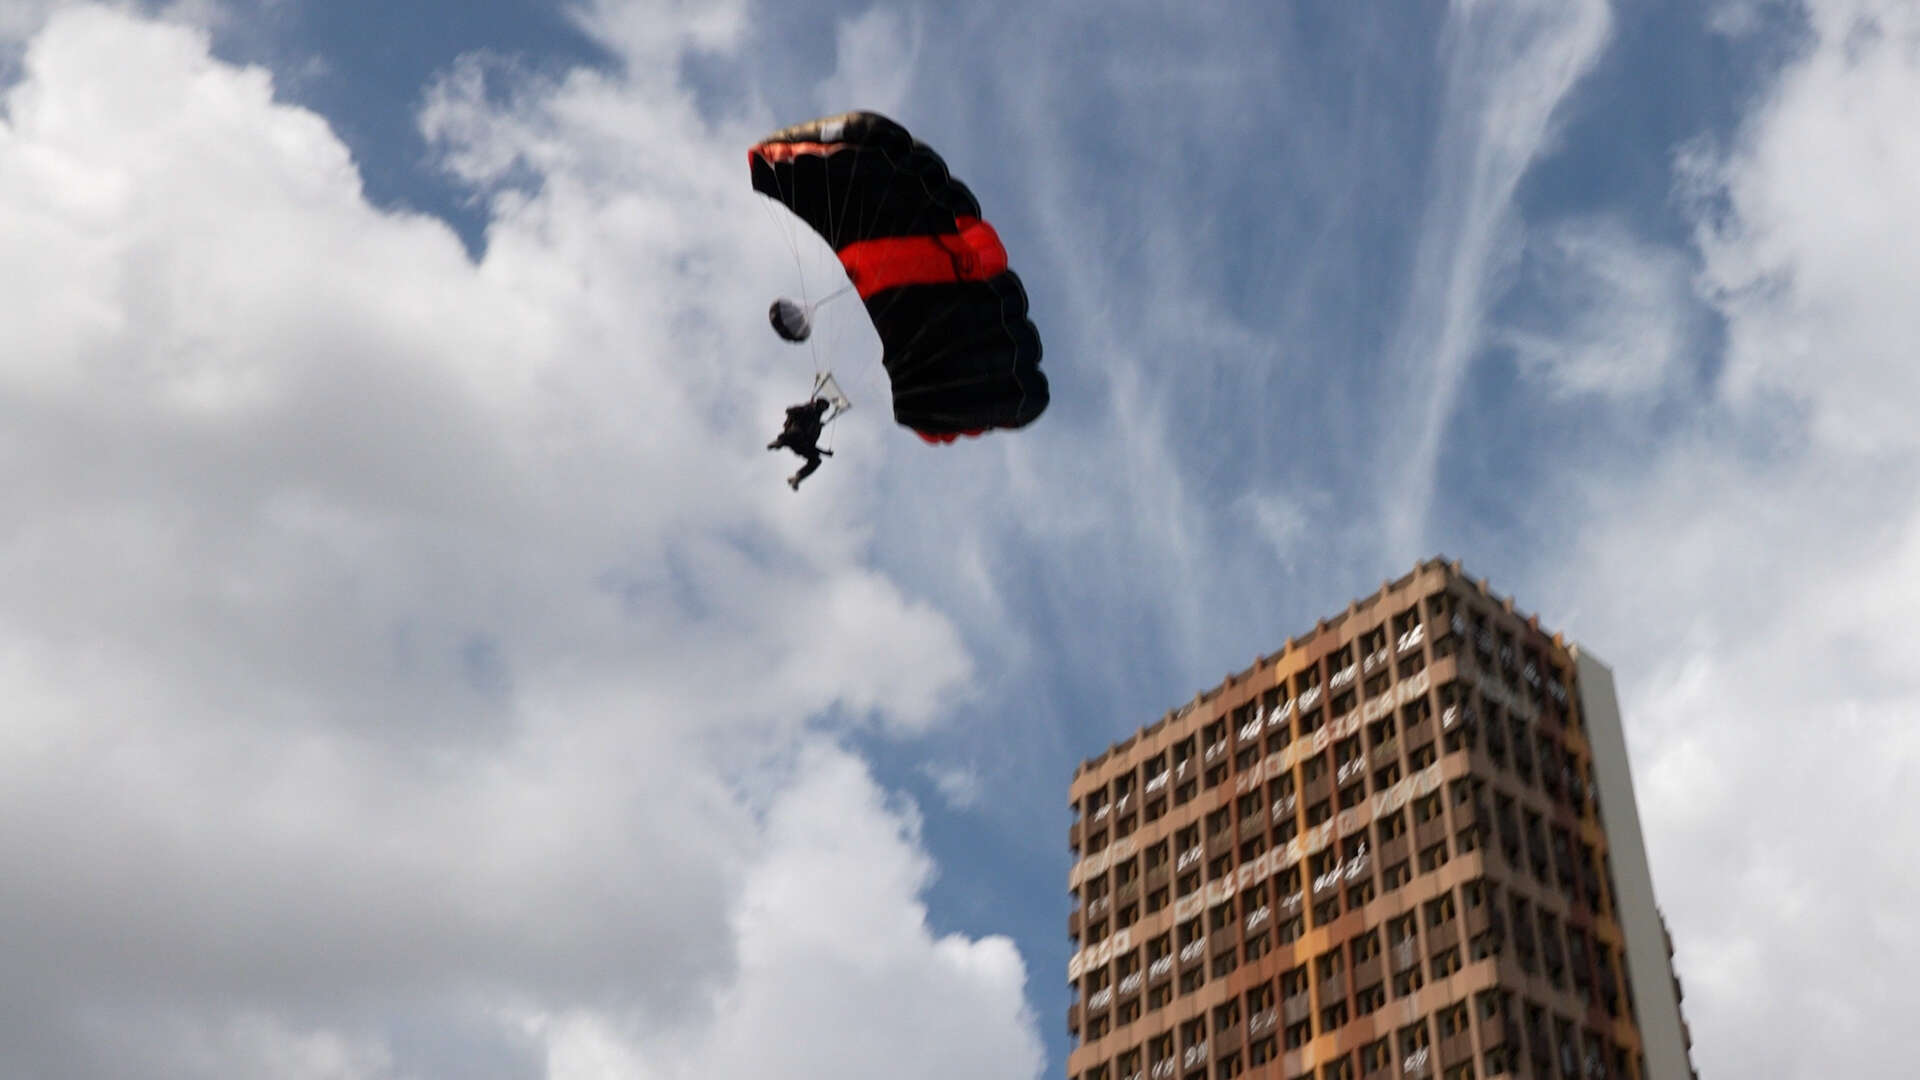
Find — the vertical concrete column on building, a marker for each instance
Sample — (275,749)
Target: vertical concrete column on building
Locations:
(1649,967)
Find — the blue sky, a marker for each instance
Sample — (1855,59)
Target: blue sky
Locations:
(420,668)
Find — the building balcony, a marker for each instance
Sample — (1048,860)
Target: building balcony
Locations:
(1158,781)
(1344,677)
(1417,735)
(1261,1023)
(1350,771)
(1280,716)
(1357,867)
(1326,882)
(1160,969)
(1193,952)
(1230,1040)
(1220,843)
(1387,753)
(1189,858)
(1481,918)
(1370,971)
(1456,1050)
(1250,731)
(1412,639)
(1404,955)
(1430,832)
(1318,788)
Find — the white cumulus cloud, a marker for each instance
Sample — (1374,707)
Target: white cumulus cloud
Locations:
(395,647)
(1758,587)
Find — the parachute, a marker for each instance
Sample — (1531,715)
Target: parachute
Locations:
(791,320)
(959,349)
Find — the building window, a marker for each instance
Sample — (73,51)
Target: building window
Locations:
(1408,982)
(1394,824)
(1327,910)
(1368,999)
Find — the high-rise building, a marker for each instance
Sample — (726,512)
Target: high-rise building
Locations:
(1404,846)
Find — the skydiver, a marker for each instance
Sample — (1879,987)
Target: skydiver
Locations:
(802,436)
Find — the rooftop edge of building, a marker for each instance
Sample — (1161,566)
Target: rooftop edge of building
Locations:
(1451,568)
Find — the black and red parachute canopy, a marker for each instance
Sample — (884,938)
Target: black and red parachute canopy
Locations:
(960,351)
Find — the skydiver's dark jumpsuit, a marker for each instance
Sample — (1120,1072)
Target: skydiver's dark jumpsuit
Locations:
(802,436)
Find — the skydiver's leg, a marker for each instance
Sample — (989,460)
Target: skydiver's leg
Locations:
(813,462)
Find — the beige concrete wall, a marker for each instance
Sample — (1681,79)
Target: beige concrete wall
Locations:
(1648,966)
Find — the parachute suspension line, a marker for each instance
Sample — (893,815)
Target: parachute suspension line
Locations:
(789,228)
(834,295)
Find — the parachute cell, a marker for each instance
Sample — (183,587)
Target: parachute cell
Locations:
(959,348)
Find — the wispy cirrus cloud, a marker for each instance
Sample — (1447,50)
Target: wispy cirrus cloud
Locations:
(1508,69)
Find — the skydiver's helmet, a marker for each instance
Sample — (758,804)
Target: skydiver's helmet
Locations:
(790,320)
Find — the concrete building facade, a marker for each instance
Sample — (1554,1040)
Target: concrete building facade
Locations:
(1405,846)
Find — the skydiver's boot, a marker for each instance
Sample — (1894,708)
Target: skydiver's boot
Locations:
(794,481)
